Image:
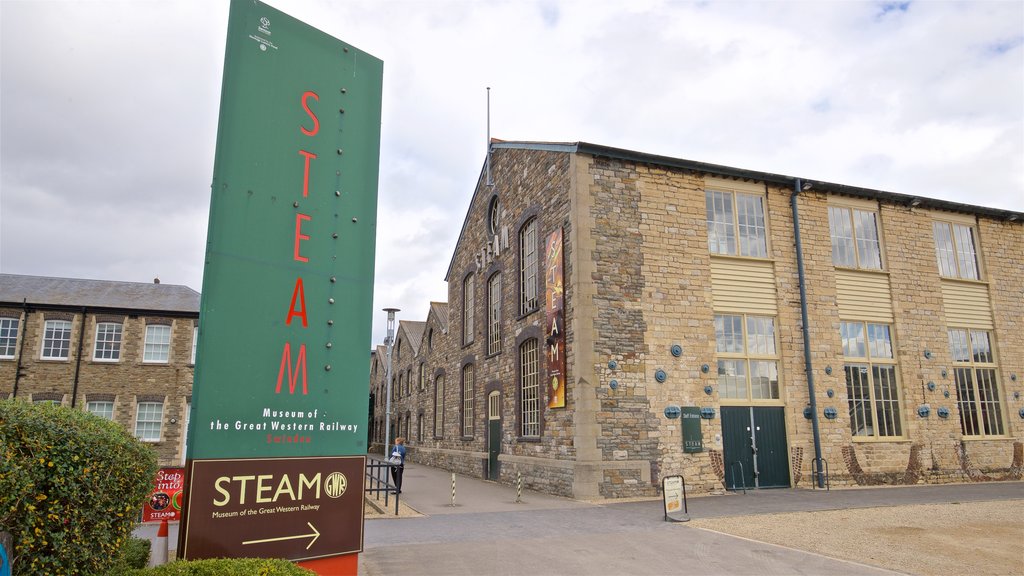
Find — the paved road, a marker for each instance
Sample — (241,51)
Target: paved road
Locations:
(488,532)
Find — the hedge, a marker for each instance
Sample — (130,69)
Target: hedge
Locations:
(227,567)
(71,486)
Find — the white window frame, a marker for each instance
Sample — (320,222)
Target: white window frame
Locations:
(747,349)
(149,418)
(439,406)
(529,267)
(9,333)
(529,389)
(987,410)
(729,230)
(101,408)
(153,345)
(195,343)
(494,314)
(956,250)
(468,399)
(110,341)
(856,242)
(56,337)
(878,414)
(468,307)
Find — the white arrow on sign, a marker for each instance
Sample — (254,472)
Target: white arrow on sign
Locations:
(315,535)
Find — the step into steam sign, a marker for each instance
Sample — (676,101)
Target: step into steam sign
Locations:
(285,318)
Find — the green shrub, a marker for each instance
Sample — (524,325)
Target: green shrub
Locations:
(134,555)
(71,486)
(227,567)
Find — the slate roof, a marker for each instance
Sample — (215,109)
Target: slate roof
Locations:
(413,333)
(74,292)
(440,310)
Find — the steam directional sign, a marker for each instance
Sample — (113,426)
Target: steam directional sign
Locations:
(275,508)
(287,300)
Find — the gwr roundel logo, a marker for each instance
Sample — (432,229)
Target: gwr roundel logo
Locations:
(265,22)
(336,484)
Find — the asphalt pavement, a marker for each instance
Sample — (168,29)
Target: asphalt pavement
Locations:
(492,529)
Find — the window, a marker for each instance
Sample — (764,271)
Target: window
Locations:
(468,304)
(148,421)
(747,360)
(56,339)
(494,314)
(528,267)
(8,337)
(855,241)
(195,342)
(467,400)
(108,342)
(977,389)
(439,407)
(419,427)
(423,377)
(494,216)
(955,250)
(736,224)
(101,408)
(871,386)
(401,382)
(529,389)
(158,343)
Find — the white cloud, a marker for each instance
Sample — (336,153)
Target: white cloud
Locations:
(108,111)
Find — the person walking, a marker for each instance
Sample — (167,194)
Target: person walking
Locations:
(397,462)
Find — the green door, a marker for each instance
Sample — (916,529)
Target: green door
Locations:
(493,435)
(754,447)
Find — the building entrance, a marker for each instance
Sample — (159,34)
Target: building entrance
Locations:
(754,447)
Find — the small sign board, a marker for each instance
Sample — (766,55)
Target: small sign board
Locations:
(294,508)
(693,436)
(165,500)
(673,492)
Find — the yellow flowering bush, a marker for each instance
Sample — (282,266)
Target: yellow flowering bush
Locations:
(71,487)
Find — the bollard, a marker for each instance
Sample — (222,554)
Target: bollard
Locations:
(453,489)
(519,487)
(159,554)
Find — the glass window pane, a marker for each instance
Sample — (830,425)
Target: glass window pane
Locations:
(721,234)
(158,343)
(8,337)
(764,380)
(842,237)
(944,252)
(148,421)
(760,335)
(530,388)
(988,399)
(965,254)
(108,342)
(958,346)
(56,339)
(887,405)
(858,391)
(868,248)
(981,349)
(103,409)
(529,263)
(879,341)
(729,333)
(965,402)
(852,334)
(750,219)
(732,379)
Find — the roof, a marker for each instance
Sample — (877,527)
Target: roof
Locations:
(45,291)
(413,333)
(768,177)
(440,311)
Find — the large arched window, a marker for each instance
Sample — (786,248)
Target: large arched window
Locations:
(528,267)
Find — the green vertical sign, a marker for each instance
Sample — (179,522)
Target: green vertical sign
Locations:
(287,289)
(693,436)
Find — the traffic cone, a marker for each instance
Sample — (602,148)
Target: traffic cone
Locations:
(159,553)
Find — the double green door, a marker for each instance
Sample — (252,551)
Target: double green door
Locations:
(754,447)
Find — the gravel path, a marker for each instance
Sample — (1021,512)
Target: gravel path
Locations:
(977,538)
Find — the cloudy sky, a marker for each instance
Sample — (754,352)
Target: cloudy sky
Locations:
(108,111)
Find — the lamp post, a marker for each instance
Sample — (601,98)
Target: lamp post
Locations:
(389,341)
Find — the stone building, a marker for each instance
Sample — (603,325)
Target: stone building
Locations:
(616,317)
(122,350)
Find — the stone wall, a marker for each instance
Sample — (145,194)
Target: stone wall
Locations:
(125,382)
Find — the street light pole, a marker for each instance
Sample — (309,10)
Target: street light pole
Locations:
(389,341)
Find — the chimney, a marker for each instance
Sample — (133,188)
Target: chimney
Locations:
(156,280)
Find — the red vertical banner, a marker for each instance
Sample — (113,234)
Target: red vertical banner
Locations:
(555,327)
